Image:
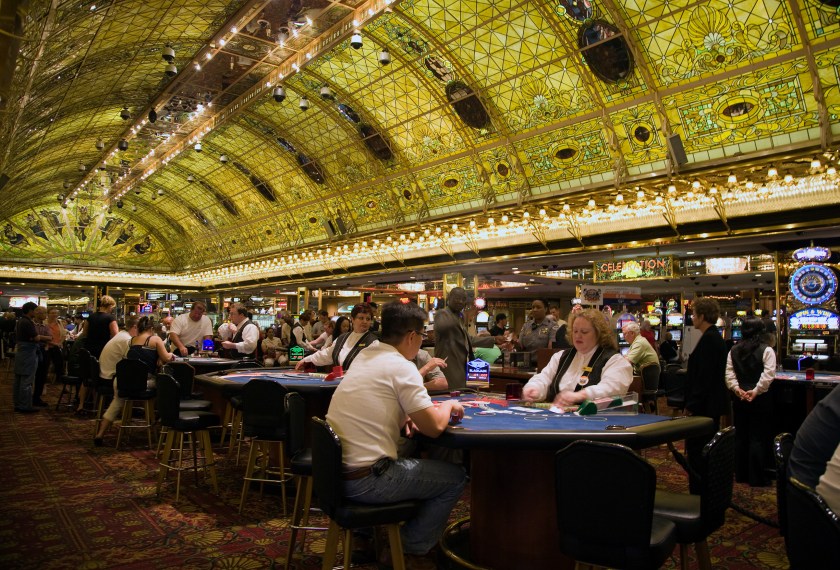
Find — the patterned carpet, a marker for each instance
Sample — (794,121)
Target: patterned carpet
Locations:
(67,504)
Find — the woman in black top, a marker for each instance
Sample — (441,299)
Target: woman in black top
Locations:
(101,326)
(148,347)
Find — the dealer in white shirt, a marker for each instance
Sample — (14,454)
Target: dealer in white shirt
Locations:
(241,334)
(187,328)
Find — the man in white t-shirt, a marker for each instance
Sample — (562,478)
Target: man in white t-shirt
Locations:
(385,374)
(190,327)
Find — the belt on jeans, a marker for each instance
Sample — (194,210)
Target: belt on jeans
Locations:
(359,473)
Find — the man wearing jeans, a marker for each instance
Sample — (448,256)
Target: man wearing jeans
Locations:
(27,357)
(380,396)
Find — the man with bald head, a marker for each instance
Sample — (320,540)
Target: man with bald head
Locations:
(452,341)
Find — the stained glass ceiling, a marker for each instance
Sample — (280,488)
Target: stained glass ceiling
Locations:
(285,139)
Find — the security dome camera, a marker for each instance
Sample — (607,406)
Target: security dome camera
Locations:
(122,145)
(384,57)
(119,203)
(171,70)
(100,145)
(160,192)
(197,147)
(279,94)
(356,41)
(168,54)
(190,178)
(223,159)
(304,103)
(326,93)
(125,114)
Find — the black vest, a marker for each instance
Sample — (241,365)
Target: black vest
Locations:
(363,342)
(596,363)
(235,354)
(748,364)
(292,338)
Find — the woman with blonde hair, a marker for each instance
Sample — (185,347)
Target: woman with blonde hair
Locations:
(592,368)
(98,330)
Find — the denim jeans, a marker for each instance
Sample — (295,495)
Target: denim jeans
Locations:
(26,364)
(439,485)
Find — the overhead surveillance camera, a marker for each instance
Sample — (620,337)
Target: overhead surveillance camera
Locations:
(190,178)
(356,41)
(100,145)
(119,203)
(304,103)
(279,94)
(125,114)
(122,145)
(168,54)
(384,57)
(326,93)
(171,70)
(197,147)
(223,159)
(160,192)
(82,167)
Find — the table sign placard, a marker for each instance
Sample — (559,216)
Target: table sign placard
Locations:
(296,354)
(478,371)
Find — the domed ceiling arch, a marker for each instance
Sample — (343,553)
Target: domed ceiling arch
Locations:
(486,105)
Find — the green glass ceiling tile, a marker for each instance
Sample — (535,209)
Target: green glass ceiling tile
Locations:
(447,19)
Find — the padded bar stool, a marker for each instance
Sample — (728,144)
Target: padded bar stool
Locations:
(184,374)
(623,531)
(132,377)
(193,425)
(67,385)
(301,467)
(346,515)
(265,421)
(232,422)
(698,516)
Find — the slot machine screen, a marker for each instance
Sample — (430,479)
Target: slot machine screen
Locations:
(620,337)
(656,335)
(736,334)
(676,334)
(625,350)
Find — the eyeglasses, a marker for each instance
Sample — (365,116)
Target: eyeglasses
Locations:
(423,335)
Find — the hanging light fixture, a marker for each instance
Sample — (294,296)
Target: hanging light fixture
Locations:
(356,40)
(100,144)
(122,145)
(304,103)
(125,114)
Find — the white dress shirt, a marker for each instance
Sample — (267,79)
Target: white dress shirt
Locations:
(616,376)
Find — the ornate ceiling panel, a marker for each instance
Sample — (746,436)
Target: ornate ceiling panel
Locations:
(484,105)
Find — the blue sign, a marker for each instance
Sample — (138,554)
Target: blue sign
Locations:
(812,253)
(478,371)
(813,284)
(814,320)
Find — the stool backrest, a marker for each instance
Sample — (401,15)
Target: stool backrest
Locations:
(782,445)
(326,467)
(717,478)
(184,373)
(650,377)
(131,376)
(604,494)
(94,372)
(296,417)
(813,539)
(264,404)
(168,399)
(83,359)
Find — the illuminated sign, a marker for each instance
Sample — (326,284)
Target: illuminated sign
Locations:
(155,296)
(296,354)
(813,284)
(639,268)
(812,253)
(654,320)
(814,320)
(480,302)
(675,320)
(727,265)
(146,308)
(478,371)
(18,302)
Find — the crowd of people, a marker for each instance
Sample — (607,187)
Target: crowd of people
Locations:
(384,356)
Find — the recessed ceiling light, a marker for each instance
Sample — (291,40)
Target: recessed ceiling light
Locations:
(689,253)
(516,272)
(758,274)
(514,268)
(412,277)
(591,261)
(531,280)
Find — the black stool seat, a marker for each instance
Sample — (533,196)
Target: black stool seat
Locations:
(192,421)
(684,511)
(132,395)
(237,402)
(301,463)
(358,515)
(195,405)
(71,380)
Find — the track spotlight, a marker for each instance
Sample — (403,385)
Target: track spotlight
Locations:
(223,159)
(82,167)
(384,57)
(168,54)
(304,103)
(125,114)
(356,41)
(279,94)
(122,145)
(171,70)
(326,93)
(160,192)
(190,178)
